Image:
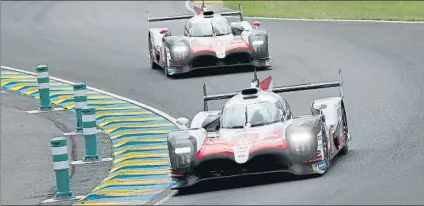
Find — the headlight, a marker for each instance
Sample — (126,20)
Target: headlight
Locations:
(182,150)
(180,49)
(302,138)
(257,42)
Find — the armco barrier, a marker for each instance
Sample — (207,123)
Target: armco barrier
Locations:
(140,159)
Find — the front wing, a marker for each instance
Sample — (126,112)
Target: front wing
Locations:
(287,165)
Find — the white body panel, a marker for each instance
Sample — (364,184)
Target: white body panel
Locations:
(200,118)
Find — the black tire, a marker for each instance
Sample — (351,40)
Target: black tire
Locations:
(165,67)
(152,63)
(345,149)
(327,157)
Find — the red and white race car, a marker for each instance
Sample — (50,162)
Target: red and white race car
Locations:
(256,132)
(209,41)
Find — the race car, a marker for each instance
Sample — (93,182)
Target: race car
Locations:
(210,41)
(256,132)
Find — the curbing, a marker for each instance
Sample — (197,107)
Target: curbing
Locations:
(139,174)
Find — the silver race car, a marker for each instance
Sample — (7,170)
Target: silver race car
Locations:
(256,132)
(209,41)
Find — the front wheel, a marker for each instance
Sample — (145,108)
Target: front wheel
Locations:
(322,167)
(345,131)
(166,62)
(152,55)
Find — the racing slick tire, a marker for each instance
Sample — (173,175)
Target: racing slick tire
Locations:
(153,65)
(345,127)
(165,67)
(327,158)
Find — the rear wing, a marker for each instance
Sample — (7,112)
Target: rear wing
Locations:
(179,17)
(282,89)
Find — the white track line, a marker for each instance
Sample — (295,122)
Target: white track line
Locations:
(159,112)
(188,6)
(334,20)
(166,198)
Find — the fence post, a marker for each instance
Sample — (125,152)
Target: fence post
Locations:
(43,86)
(61,166)
(90,132)
(80,99)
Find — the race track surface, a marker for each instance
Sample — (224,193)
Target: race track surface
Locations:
(104,44)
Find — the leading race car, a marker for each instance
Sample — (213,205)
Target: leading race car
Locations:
(256,133)
(209,41)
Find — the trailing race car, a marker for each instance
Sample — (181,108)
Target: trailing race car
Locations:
(256,133)
(209,41)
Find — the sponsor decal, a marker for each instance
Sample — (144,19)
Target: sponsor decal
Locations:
(241,153)
(220,53)
(172,70)
(174,181)
(314,168)
(321,165)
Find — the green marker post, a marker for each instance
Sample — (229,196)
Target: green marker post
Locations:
(89,132)
(61,166)
(80,99)
(43,86)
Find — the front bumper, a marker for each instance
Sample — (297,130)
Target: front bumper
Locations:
(190,180)
(185,66)
(284,162)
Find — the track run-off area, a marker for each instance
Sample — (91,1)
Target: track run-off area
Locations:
(105,45)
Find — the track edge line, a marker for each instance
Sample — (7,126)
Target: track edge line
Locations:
(157,111)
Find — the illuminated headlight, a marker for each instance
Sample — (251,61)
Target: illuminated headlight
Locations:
(180,49)
(182,150)
(257,42)
(302,138)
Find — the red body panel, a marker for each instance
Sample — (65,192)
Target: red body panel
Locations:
(212,44)
(218,146)
(265,83)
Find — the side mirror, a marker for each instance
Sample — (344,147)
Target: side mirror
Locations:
(182,121)
(256,23)
(236,28)
(163,31)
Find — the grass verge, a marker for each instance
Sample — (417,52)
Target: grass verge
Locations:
(362,10)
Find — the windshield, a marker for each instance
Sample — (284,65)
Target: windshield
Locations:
(218,27)
(255,114)
(221,27)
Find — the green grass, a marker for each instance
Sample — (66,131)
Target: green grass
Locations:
(369,10)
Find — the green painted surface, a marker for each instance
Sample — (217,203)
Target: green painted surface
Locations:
(358,10)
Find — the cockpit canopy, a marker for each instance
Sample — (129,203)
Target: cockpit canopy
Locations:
(256,114)
(207,27)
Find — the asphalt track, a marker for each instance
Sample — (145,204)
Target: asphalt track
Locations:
(104,43)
